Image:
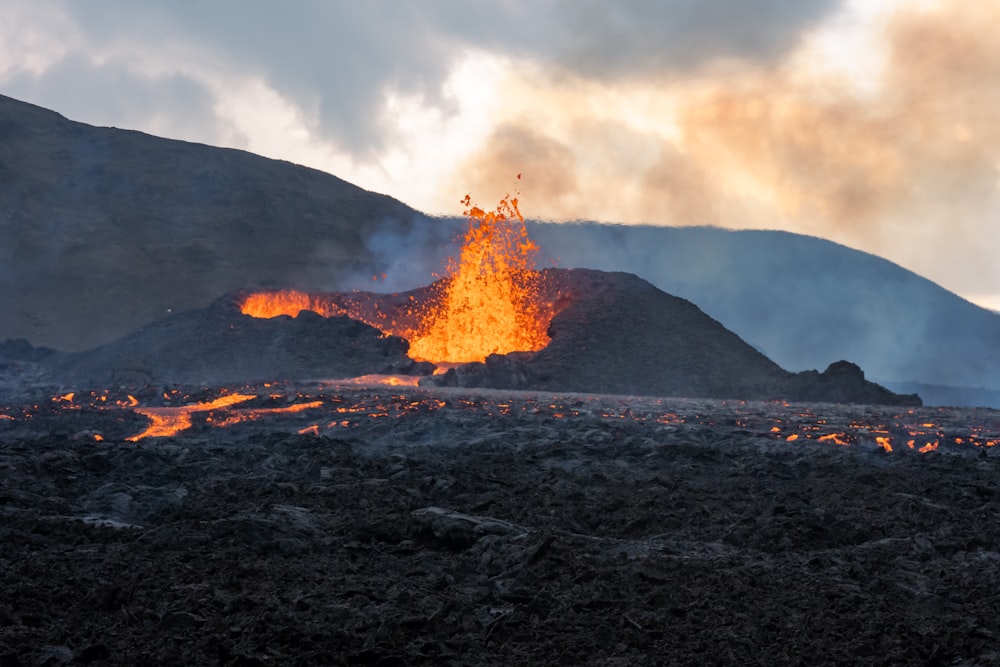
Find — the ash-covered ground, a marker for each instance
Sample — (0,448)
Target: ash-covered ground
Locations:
(436,526)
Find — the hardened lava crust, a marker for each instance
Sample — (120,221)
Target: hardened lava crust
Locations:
(453,527)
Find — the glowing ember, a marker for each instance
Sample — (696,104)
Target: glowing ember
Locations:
(836,438)
(490,303)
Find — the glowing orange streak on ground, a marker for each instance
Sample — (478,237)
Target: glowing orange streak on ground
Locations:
(385,380)
(257,413)
(171,421)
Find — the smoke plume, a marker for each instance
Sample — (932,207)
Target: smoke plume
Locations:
(896,159)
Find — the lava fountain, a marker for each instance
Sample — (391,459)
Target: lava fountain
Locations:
(488,302)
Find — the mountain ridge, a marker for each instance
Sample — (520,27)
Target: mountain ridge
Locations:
(104,230)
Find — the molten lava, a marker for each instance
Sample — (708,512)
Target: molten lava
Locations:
(286,302)
(490,302)
(170,421)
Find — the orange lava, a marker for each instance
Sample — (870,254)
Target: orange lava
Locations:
(165,422)
(286,302)
(260,413)
(490,302)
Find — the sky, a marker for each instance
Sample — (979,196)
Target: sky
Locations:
(872,123)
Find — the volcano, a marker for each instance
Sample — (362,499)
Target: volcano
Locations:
(104,231)
(613,333)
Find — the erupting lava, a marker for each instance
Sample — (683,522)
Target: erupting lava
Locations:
(489,300)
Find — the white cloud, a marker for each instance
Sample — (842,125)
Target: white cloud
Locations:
(33,36)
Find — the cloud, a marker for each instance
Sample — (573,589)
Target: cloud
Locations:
(168,104)
(339,60)
(906,165)
(639,39)
(333,61)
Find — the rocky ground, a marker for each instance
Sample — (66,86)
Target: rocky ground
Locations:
(483,537)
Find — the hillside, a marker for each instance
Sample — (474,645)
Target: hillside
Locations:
(103,230)
(621,335)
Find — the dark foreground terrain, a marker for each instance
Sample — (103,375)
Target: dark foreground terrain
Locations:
(504,536)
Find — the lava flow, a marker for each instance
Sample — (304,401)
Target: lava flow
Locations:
(338,408)
(168,421)
(489,301)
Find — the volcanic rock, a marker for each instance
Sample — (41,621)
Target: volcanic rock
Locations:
(464,536)
(842,382)
(220,345)
(621,335)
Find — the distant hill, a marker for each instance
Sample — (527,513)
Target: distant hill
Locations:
(105,230)
(805,301)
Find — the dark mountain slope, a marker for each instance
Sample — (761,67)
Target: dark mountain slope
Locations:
(103,230)
(219,345)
